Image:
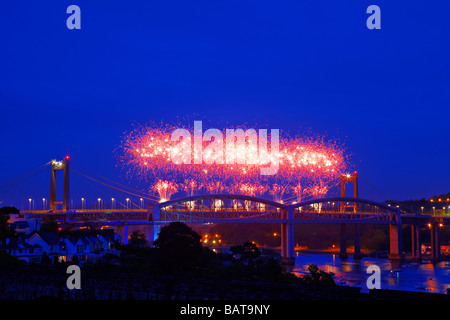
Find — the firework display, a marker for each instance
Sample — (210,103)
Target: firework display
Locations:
(307,167)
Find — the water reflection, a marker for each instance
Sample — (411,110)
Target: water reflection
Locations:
(425,277)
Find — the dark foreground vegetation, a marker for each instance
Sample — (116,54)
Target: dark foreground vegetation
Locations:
(179,252)
(180,268)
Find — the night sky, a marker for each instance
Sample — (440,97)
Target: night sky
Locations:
(292,65)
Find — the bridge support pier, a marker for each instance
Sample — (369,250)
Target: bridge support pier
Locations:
(287,243)
(416,243)
(154,215)
(122,231)
(395,242)
(357,242)
(287,239)
(153,233)
(435,244)
(343,241)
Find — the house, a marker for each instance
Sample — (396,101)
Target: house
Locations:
(78,246)
(72,247)
(98,246)
(23,251)
(50,244)
(23,223)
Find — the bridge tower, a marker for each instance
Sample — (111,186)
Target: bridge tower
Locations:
(357,231)
(55,166)
(349,178)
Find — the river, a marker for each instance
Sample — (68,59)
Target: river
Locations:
(423,277)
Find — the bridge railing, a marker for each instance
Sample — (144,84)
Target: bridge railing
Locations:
(222,207)
(75,211)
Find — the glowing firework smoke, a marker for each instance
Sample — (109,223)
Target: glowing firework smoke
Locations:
(165,189)
(306,166)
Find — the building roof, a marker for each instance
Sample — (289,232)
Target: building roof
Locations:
(16,243)
(51,238)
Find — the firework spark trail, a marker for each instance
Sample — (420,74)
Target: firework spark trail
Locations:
(307,166)
(165,189)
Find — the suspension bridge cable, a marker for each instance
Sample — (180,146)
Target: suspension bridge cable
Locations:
(388,197)
(103,183)
(13,183)
(370,193)
(24,174)
(376,189)
(122,185)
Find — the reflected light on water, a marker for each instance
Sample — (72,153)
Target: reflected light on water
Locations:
(425,277)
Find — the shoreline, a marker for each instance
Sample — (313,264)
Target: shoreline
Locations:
(380,254)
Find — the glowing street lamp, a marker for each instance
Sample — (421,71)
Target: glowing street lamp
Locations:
(421,208)
(128,199)
(142,203)
(29,202)
(43,203)
(99,202)
(82,203)
(112,203)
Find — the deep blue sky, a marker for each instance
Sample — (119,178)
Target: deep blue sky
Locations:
(282,64)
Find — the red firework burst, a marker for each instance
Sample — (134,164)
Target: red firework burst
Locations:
(307,166)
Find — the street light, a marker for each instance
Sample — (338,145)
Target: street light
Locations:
(43,203)
(142,206)
(99,201)
(434,212)
(112,203)
(421,208)
(29,202)
(128,199)
(82,203)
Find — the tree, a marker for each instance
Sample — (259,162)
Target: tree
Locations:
(5,230)
(176,236)
(318,277)
(45,258)
(178,248)
(6,258)
(247,252)
(9,210)
(137,239)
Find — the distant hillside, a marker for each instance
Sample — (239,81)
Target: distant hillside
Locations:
(439,202)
